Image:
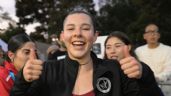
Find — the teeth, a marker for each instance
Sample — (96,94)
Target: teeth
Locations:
(78,42)
(114,57)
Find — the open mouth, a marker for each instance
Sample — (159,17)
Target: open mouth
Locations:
(113,57)
(78,44)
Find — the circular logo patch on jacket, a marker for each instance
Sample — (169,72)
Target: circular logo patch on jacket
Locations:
(103,85)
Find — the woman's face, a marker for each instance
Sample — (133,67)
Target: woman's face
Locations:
(114,48)
(20,57)
(78,35)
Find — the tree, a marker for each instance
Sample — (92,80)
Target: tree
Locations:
(151,11)
(131,16)
(118,14)
(11,32)
(11,29)
(50,13)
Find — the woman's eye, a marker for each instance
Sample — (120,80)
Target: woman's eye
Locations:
(108,47)
(27,53)
(70,28)
(118,46)
(86,28)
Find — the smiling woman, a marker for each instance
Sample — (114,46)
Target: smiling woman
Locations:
(81,73)
(119,47)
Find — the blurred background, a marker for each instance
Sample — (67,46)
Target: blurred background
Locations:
(43,19)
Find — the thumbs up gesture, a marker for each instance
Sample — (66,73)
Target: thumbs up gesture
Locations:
(130,65)
(33,67)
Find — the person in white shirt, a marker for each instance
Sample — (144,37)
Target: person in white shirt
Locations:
(157,55)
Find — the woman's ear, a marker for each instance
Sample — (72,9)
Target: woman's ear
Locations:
(11,55)
(129,47)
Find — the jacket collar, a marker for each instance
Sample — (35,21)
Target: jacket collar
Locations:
(74,64)
(9,66)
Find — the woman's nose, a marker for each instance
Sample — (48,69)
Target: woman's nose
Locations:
(113,51)
(77,33)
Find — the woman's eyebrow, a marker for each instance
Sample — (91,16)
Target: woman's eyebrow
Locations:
(86,24)
(114,44)
(118,43)
(26,49)
(70,25)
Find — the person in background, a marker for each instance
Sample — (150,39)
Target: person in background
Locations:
(157,55)
(18,51)
(81,73)
(118,46)
(1,55)
(58,54)
(51,50)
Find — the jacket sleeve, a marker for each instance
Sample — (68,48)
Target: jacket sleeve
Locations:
(130,86)
(4,91)
(24,88)
(147,82)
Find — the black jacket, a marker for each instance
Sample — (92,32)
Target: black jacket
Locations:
(147,83)
(58,79)
(57,55)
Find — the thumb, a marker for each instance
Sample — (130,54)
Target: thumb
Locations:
(32,54)
(126,51)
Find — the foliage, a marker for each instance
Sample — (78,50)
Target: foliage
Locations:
(50,13)
(118,17)
(132,16)
(37,37)
(11,32)
(129,16)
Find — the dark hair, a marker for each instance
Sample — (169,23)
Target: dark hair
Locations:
(17,41)
(149,24)
(123,37)
(82,12)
